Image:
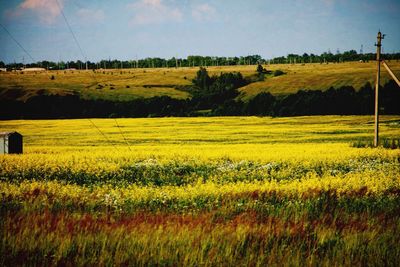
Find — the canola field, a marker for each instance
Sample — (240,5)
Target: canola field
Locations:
(231,191)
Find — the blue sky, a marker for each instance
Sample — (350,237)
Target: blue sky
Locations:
(126,29)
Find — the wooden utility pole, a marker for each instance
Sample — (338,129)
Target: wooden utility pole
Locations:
(378,64)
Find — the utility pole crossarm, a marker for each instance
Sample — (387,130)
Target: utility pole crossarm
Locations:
(391,73)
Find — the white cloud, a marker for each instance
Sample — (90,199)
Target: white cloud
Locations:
(91,15)
(47,10)
(154,12)
(204,12)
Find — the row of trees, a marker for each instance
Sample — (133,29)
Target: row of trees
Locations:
(341,101)
(190,61)
(328,57)
(204,61)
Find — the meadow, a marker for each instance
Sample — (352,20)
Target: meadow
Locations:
(230,191)
(128,84)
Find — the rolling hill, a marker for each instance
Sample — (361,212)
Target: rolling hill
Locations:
(128,84)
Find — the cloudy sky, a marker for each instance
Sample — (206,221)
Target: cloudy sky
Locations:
(126,29)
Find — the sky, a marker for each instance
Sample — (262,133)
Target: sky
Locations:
(130,29)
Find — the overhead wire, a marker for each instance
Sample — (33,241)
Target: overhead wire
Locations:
(126,141)
(103,134)
(83,55)
(74,36)
(22,47)
(70,29)
(16,41)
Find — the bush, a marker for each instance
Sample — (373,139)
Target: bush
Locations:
(260,69)
(262,104)
(278,73)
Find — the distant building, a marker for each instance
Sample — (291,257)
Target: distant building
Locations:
(10,143)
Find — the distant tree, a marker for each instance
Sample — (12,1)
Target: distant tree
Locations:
(261,72)
(202,79)
(260,69)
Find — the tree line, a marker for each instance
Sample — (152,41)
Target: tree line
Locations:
(211,96)
(329,57)
(204,61)
(342,101)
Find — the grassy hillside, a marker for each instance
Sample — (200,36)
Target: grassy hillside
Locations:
(319,76)
(133,83)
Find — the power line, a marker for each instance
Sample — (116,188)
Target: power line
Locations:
(20,45)
(105,137)
(16,41)
(74,37)
(129,147)
(70,29)
(83,55)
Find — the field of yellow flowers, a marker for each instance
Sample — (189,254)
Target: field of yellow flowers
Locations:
(231,191)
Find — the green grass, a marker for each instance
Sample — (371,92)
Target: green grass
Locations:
(172,81)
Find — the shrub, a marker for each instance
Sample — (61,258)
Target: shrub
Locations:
(278,73)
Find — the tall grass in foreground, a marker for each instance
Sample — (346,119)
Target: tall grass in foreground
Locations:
(247,239)
(344,220)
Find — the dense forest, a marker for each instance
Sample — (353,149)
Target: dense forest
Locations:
(204,61)
(211,96)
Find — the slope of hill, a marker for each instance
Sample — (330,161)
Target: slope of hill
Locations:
(135,83)
(318,77)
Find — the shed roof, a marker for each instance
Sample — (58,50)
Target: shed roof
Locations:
(2,134)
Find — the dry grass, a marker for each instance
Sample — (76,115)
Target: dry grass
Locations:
(133,83)
(318,76)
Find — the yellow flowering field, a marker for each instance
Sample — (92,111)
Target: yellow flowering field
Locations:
(201,191)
